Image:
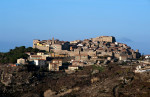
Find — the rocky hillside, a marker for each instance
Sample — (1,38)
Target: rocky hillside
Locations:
(92,81)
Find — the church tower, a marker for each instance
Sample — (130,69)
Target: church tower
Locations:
(53,40)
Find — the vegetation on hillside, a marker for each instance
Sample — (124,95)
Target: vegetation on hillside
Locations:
(96,67)
(14,54)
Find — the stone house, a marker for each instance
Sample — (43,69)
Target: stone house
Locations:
(136,55)
(92,53)
(116,54)
(55,64)
(123,57)
(21,61)
(56,47)
(81,57)
(77,63)
(130,57)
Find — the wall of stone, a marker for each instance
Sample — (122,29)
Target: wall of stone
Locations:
(42,48)
(91,53)
(72,53)
(105,54)
(56,46)
(104,38)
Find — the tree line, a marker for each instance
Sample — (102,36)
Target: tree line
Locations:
(16,53)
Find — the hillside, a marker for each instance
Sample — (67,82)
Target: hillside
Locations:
(112,80)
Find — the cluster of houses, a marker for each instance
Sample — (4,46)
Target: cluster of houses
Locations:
(78,53)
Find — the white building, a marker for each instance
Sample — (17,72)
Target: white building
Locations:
(147,56)
(73,67)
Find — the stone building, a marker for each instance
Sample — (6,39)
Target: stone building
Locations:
(123,57)
(81,57)
(55,64)
(77,63)
(21,61)
(104,39)
(39,45)
(56,47)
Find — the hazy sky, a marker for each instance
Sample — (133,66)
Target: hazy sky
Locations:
(21,21)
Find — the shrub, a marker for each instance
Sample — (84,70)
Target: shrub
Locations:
(100,68)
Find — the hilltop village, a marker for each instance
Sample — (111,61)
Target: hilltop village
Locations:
(99,50)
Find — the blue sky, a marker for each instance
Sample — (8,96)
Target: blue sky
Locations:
(21,21)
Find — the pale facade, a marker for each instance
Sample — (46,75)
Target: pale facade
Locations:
(21,61)
(55,64)
(73,68)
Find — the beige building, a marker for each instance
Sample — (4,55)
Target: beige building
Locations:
(104,39)
(21,61)
(81,57)
(77,63)
(73,67)
(55,64)
(123,57)
(56,47)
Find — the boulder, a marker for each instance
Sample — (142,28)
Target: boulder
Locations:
(49,93)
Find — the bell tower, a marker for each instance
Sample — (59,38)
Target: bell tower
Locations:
(53,40)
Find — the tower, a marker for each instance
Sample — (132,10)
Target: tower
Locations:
(53,40)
